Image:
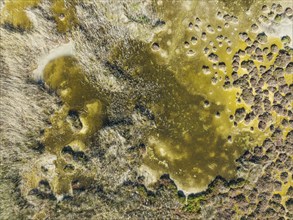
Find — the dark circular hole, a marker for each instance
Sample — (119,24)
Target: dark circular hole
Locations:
(229,138)
(206,103)
(155,46)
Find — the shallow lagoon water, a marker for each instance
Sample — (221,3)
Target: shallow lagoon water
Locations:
(187,64)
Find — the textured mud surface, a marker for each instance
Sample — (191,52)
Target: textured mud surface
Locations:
(146,109)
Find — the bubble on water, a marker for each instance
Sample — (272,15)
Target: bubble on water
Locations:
(186,44)
(254,27)
(206,70)
(193,40)
(155,46)
(190,25)
(190,53)
(288,12)
(265,8)
(210,29)
(204,36)
(196,27)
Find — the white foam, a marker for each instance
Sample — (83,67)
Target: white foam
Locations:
(280,30)
(67,49)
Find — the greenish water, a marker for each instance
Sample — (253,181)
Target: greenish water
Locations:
(187,143)
(64,14)
(194,138)
(80,116)
(194,142)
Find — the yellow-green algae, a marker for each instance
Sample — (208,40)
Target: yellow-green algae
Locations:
(190,141)
(65,76)
(191,137)
(14,13)
(64,13)
(285,187)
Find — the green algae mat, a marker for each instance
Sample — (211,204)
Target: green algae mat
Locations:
(146,109)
